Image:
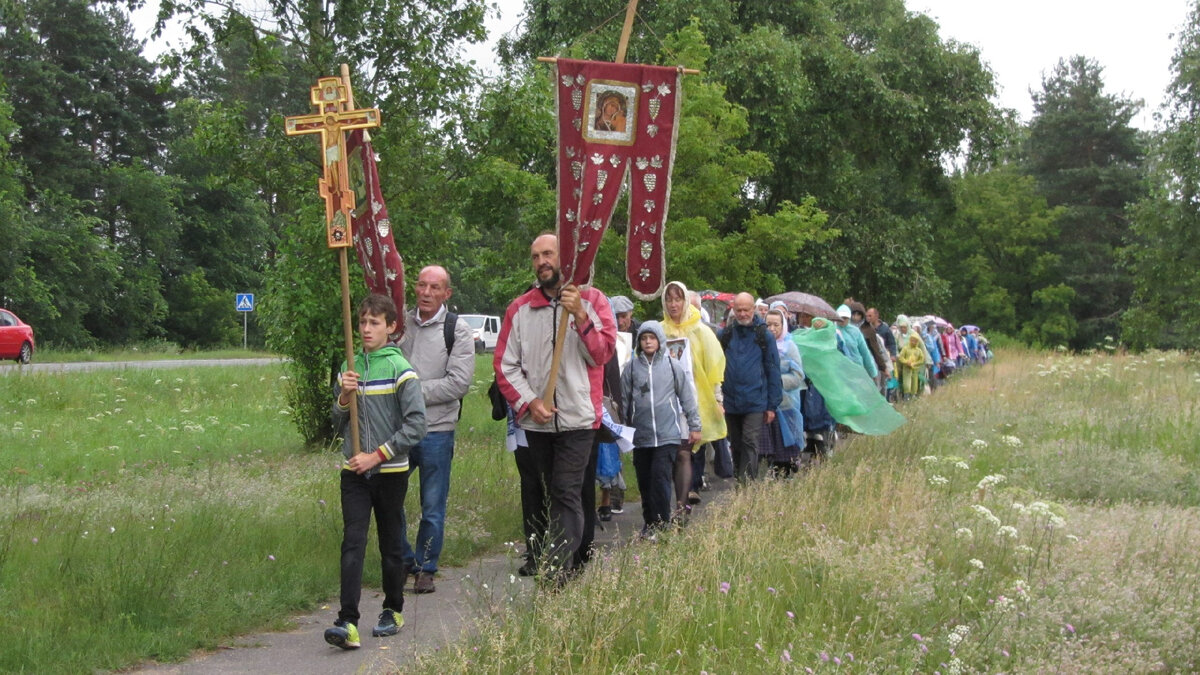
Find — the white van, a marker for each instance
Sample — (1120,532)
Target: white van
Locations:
(486,329)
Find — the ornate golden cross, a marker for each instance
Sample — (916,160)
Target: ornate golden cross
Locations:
(329,97)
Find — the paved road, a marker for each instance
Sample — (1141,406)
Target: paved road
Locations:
(430,621)
(85,366)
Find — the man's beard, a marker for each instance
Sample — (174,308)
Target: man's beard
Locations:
(552,282)
(747,322)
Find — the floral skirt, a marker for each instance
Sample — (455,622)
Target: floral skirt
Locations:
(772,448)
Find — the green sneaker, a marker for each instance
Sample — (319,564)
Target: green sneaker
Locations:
(389,623)
(344,635)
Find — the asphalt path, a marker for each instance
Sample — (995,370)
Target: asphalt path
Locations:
(163,364)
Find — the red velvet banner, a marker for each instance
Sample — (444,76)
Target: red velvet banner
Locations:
(382,265)
(616,122)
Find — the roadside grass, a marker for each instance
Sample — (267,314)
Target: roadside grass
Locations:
(147,513)
(1038,514)
(151,351)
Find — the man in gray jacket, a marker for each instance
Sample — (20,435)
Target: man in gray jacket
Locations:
(440,347)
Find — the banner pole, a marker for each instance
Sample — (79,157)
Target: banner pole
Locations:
(552,383)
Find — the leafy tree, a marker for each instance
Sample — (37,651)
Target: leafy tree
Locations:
(1165,250)
(258,66)
(92,119)
(1087,158)
(855,103)
(995,252)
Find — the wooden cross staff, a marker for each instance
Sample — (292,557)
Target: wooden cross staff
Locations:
(331,98)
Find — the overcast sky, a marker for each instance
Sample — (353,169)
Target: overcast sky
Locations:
(1020,39)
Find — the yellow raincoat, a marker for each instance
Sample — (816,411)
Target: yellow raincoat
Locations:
(708,364)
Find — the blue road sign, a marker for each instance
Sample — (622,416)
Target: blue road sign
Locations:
(244,302)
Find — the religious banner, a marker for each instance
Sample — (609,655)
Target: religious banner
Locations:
(383,268)
(617,122)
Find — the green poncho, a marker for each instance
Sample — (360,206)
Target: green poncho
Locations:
(850,395)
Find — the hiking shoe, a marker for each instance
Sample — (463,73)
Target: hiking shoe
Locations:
(605,513)
(344,635)
(424,583)
(693,497)
(389,624)
(529,569)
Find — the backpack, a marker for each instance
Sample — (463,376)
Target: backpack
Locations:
(760,337)
(448,337)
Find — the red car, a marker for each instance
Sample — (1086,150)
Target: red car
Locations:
(16,338)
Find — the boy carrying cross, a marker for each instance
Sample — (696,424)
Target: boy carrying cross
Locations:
(391,420)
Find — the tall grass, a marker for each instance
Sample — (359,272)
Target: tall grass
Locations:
(1035,515)
(145,513)
(148,351)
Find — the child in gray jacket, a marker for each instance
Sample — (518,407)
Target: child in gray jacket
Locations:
(659,402)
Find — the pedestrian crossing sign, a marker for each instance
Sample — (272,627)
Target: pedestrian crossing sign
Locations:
(244,302)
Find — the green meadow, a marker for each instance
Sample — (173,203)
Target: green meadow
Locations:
(146,513)
(1038,514)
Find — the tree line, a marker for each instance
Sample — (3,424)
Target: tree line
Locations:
(838,147)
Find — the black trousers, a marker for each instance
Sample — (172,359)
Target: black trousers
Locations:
(384,494)
(535,503)
(562,460)
(744,433)
(654,467)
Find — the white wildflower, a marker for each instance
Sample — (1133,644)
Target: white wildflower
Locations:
(1004,603)
(930,459)
(976,563)
(990,481)
(1011,441)
(938,480)
(1023,548)
(963,533)
(961,465)
(957,635)
(979,443)
(1021,590)
(986,514)
(1007,531)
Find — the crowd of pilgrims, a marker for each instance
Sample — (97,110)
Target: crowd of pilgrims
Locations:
(670,381)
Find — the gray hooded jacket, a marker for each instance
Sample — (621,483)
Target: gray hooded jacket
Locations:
(657,392)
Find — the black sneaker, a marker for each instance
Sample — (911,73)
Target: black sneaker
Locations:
(605,513)
(389,623)
(344,635)
(529,569)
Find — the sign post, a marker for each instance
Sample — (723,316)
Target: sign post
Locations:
(244,302)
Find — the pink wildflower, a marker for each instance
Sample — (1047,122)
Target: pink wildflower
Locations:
(724,586)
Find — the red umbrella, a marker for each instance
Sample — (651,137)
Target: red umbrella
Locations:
(805,303)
